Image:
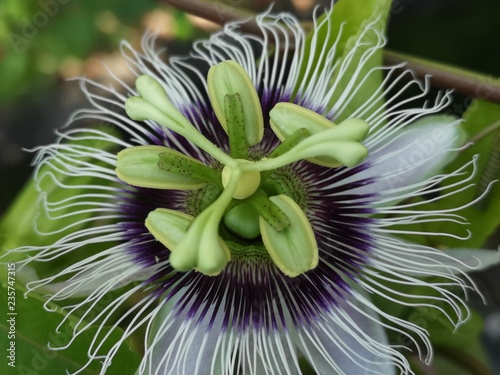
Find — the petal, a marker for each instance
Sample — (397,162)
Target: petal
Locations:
(415,153)
(269,353)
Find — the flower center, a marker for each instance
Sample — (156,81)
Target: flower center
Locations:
(244,205)
(247,183)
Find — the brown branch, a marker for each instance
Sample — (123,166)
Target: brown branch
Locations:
(448,77)
(216,12)
(443,76)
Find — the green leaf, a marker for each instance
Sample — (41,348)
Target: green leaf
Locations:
(35,328)
(458,351)
(353,17)
(294,250)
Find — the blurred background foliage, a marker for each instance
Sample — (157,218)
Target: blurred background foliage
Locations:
(43,43)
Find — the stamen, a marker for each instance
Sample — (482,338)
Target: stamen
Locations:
(293,250)
(229,77)
(235,122)
(270,212)
(154,105)
(137,166)
(175,162)
(287,118)
(290,142)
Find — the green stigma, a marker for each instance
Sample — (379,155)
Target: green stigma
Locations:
(248,182)
(242,201)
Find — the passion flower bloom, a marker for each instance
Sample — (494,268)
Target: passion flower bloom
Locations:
(254,208)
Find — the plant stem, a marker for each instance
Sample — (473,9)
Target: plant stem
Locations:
(468,83)
(217,12)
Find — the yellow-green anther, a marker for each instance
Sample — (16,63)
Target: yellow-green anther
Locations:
(287,118)
(175,162)
(290,142)
(168,226)
(171,228)
(270,212)
(293,250)
(243,220)
(201,248)
(229,78)
(325,148)
(154,105)
(154,93)
(235,122)
(248,181)
(137,166)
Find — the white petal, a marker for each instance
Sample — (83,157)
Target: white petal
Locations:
(412,259)
(88,281)
(413,153)
(182,345)
(472,259)
(269,353)
(336,345)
